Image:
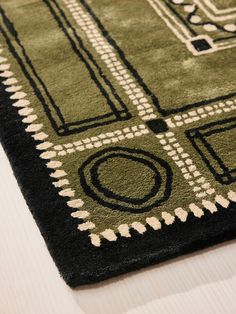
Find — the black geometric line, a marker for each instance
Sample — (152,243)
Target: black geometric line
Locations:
(139,79)
(121,54)
(188,18)
(180,18)
(214,131)
(64,128)
(201,133)
(213,153)
(99,117)
(110,194)
(114,201)
(89,55)
(11,29)
(215,123)
(78,261)
(221,39)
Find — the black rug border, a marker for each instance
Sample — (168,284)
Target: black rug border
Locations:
(78,261)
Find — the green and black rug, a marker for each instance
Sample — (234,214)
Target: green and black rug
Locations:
(119,119)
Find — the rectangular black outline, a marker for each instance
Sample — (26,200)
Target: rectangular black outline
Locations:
(199,134)
(45,98)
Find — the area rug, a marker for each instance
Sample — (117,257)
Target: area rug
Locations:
(118,118)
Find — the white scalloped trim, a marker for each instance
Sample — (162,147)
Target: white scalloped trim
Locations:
(29,118)
(168,219)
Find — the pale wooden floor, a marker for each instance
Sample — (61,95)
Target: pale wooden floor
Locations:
(29,282)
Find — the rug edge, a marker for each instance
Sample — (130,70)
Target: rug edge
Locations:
(222,222)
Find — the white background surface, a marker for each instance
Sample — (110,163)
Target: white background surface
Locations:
(204,282)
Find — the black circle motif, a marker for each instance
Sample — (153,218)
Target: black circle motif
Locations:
(159,187)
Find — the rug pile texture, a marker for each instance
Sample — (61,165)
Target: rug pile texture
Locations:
(119,120)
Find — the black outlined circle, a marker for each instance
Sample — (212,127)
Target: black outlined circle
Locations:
(96,182)
(159,191)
